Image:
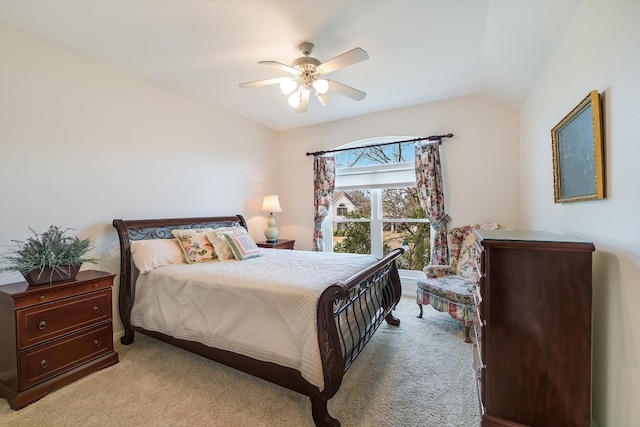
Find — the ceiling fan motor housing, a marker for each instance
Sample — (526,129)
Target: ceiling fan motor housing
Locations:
(308,71)
(307,65)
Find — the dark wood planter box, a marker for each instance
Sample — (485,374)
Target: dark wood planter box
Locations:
(50,275)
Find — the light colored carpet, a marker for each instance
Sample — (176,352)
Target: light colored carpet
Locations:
(418,374)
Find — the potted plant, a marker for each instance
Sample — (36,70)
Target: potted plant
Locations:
(48,257)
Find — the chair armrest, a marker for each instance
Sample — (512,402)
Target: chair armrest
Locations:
(434,271)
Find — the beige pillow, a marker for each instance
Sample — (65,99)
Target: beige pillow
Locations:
(150,254)
(220,244)
(195,245)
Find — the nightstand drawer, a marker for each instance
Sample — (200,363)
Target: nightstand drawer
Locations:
(48,321)
(43,362)
(47,293)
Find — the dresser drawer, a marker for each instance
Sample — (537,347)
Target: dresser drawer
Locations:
(479,368)
(42,362)
(478,327)
(47,321)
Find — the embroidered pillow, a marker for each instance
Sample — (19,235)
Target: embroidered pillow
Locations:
(220,244)
(242,246)
(150,254)
(195,245)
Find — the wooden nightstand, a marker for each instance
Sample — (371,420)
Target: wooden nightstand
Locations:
(280,244)
(51,335)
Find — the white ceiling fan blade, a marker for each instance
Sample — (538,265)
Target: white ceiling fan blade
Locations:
(347,91)
(302,108)
(348,58)
(280,66)
(266,82)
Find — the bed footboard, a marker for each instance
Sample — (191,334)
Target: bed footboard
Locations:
(348,315)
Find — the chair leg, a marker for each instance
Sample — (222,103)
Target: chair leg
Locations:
(467,327)
(420,315)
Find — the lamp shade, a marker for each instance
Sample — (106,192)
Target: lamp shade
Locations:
(323,98)
(321,86)
(271,204)
(288,86)
(295,99)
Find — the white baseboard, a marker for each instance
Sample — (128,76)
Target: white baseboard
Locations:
(408,280)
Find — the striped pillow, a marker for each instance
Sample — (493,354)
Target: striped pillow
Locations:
(242,246)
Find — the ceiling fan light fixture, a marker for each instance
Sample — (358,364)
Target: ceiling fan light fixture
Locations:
(296,99)
(321,86)
(288,86)
(323,98)
(305,77)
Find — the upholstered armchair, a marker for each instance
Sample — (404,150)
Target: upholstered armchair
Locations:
(448,288)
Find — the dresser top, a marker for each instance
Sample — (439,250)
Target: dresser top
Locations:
(527,236)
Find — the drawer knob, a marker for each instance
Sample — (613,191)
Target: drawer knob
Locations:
(96,343)
(42,325)
(96,309)
(44,364)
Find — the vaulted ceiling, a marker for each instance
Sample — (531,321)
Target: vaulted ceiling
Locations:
(419,51)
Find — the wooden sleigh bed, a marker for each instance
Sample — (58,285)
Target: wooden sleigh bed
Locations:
(347,314)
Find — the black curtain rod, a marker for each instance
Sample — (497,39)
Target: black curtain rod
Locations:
(425,138)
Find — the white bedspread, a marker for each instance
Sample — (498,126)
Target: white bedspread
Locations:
(263,307)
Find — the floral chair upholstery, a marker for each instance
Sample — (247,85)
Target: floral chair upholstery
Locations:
(448,288)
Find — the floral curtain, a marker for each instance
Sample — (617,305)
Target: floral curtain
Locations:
(431,195)
(324,178)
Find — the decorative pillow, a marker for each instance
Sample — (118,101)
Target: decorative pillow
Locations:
(150,254)
(195,245)
(220,244)
(242,246)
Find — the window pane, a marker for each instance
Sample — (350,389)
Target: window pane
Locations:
(400,203)
(354,204)
(413,237)
(393,153)
(352,237)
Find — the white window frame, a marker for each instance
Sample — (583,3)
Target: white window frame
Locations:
(375,178)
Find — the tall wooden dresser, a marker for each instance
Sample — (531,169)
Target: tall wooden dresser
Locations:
(51,335)
(533,329)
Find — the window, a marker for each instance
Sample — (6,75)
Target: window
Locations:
(376,186)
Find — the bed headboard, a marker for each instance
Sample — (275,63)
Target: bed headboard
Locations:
(145,229)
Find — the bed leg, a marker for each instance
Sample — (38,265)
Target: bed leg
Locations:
(320,413)
(392,320)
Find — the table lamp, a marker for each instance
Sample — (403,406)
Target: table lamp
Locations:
(271,204)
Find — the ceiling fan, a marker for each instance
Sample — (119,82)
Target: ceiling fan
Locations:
(307,74)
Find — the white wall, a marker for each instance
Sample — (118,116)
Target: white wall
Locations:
(82,143)
(600,50)
(480,163)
